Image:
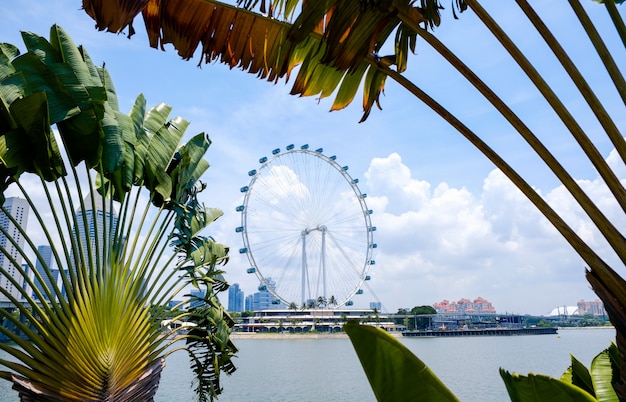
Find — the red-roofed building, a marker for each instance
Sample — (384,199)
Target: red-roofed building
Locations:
(479,305)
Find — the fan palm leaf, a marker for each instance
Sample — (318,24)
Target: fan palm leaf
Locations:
(336,46)
(97,337)
(331,56)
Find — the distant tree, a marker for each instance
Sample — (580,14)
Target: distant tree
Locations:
(322,302)
(423,310)
(420,322)
(376,315)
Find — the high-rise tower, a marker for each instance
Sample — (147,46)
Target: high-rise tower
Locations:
(235,298)
(50,262)
(18,208)
(91,225)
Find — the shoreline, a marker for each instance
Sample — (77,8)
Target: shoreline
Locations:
(305,335)
(341,335)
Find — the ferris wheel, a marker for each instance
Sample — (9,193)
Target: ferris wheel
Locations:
(306,229)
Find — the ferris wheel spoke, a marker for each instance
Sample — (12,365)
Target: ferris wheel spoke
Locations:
(306,227)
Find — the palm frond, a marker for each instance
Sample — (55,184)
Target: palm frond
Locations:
(335,45)
(328,40)
(94,337)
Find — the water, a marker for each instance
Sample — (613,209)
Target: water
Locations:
(328,369)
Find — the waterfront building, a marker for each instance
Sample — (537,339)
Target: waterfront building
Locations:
(478,306)
(594,307)
(18,209)
(91,225)
(173,303)
(235,298)
(307,320)
(378,306)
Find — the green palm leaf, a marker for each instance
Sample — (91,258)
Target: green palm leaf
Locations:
(97,338)
(602,374)
(394,373)
(336,45)
(537,387)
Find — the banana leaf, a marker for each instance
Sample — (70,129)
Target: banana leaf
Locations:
(393,371)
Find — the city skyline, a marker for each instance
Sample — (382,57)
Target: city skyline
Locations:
(94,221)
(448,223)
(263,299)
(463,305)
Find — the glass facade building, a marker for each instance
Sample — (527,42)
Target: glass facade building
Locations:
(91,228)
(18,208)
(235,298)
(49,261)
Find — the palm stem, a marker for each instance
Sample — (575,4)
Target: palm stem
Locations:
(603,52)
(594,156)
(594,103)
(617,20)
(71,253)
(572,238)
(60,297)
(95,258)
(602,222)
(126,214)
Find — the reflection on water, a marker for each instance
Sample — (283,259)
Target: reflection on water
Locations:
(328,369)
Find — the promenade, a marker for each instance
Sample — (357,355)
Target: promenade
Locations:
(300,335)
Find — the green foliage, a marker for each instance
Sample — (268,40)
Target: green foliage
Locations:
(337,44)
(423,310)
(536,387)
(99,341)
(394,373)
(576,384)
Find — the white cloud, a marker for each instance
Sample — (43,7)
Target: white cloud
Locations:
(449,226)
(453,244)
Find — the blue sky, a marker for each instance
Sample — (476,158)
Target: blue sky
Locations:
(449,225)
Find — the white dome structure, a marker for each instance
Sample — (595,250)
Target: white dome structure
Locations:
(564,310)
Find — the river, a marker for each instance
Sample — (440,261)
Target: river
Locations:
(327,369)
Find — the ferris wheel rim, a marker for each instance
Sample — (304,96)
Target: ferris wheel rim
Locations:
(248,248)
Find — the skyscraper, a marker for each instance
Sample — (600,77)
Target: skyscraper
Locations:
(264,299)
(198,296)
(50,262)
(235,298)
(18,208)
(249,303)
(92,225)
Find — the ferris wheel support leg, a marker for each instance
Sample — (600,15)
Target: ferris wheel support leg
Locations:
(324,261)
(303,267)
